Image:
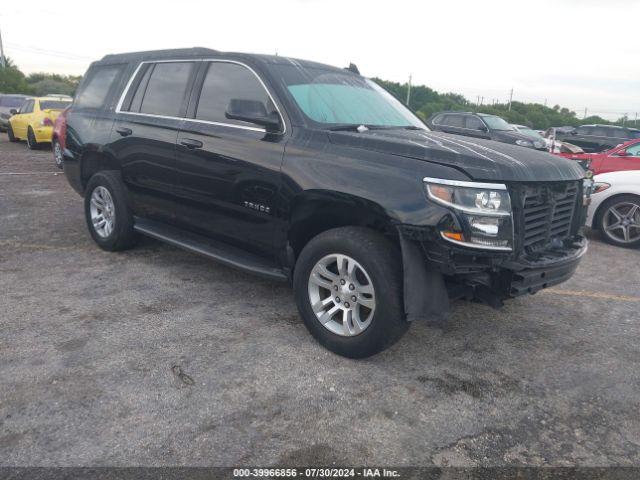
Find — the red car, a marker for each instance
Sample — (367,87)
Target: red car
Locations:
(59,136)
(622,157)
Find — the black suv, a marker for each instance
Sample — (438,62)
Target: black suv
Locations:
(481,125)
(597,138)
(315,175)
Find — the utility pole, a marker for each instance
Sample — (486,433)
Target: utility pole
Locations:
(481,100)
(635,120)
(409,90)
(510,98)
(3,61)
(585,113)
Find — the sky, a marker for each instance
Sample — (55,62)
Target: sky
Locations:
(575,53)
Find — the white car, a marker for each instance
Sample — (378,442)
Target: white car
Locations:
(615,207)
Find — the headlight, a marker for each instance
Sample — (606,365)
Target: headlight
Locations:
(600,187)
(524,143)
(483,212)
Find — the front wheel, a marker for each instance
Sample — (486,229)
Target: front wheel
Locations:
(348,289)
(620,221)
(57,154)
(12,137)
(107,212)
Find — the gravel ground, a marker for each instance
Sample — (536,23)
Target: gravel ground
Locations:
(155,356)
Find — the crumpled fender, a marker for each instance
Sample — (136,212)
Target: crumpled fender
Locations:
(425,293)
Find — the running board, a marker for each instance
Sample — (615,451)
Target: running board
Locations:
(221,252)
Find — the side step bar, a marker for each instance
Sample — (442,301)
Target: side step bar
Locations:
(221,252)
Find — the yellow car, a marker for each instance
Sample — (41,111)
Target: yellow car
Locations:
(34,121)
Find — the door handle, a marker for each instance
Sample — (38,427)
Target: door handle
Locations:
(190,143)
(125,132)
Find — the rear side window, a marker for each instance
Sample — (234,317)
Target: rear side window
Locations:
(167,88)
(225,81)
(584,131)
(600,132)
(455,121)
(98,84)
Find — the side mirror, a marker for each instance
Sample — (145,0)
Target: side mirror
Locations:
(252,111)
(13,111)
(483,128)
(622,153)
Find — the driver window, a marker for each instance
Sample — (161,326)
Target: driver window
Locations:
(634,150)
(474,123)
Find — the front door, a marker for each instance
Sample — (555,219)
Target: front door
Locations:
(229,170)
(20,121)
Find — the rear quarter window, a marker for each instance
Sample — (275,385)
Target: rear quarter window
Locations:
(98,84)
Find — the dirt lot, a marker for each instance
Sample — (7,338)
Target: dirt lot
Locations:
(156,356)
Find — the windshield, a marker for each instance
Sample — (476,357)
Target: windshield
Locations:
(53,105)
(329,98)
(496,123)
(11,102)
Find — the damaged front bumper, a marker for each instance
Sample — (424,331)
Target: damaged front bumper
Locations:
(436,272)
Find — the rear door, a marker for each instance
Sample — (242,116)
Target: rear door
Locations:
(144,135)
(228,171)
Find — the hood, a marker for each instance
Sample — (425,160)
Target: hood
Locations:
(482,160)
(510,136)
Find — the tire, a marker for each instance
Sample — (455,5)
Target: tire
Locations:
(32,143)
(57,153)
(377,263)
(619,221)
(121,234)
(12,137)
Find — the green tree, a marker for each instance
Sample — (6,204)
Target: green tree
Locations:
(12,80)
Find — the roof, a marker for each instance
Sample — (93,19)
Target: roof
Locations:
(200,52)
(158,55)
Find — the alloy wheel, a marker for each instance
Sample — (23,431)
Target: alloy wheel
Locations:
(57,153)
(341,294)
(621,222)
(103,212)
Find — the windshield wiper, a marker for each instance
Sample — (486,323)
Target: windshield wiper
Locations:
(360,127)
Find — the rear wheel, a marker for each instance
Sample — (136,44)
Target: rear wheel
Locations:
(620,221)
(32,143)
(12,137)
(107,212)
(348,288)
(57,153)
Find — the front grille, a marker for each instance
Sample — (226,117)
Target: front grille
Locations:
(546,214)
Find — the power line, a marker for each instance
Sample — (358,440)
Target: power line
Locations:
(52,53)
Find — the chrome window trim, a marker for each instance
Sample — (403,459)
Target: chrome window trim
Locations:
(197,120)
(461,183)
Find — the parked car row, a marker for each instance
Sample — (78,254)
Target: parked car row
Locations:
(33,119)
